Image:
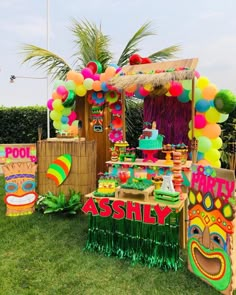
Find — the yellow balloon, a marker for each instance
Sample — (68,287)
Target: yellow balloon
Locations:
(55,116)
(148,87)
(216,164)
(217,143)
(57,105)
(57,125)
(203,82)
(212,115)
(197,133)
(212,155)
(80,90)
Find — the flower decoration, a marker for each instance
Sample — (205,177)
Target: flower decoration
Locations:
(200,169)
(115,135)
(116,108)
(111,96)
(117,123)
(208,170)
(89,97)
(98,98)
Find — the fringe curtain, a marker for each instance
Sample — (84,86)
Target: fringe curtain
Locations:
(172,117)
(152,245)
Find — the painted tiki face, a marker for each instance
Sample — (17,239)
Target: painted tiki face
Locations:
(20,195)
(209,233)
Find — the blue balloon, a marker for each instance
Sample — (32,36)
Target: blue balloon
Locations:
(64,119)
(200,156)
(138,95)
(202,105)
(104,86)
(184,97)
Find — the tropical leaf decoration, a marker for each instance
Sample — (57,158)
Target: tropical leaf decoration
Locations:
(92,44)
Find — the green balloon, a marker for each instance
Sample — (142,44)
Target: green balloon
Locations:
(69,100)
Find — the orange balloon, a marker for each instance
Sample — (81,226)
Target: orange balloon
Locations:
(97,86)
(110,72)
(203,162)
(103,77)
(55,95)
(209,92)
(78,78)
(131,88)
(70,75)
(211,131)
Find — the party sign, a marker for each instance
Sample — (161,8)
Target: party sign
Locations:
(211,230)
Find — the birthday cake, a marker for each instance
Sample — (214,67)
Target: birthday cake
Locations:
(106,186)
(150,139)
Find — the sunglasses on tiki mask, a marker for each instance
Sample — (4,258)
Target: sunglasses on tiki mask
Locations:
(27,186)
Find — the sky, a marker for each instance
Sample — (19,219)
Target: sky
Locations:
(204,29)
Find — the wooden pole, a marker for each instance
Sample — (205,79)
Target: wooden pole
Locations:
(123,114)
(194,141)
(193,106)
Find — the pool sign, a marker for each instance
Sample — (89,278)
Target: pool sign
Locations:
(17,153)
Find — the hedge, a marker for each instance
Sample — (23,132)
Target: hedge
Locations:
(20,124)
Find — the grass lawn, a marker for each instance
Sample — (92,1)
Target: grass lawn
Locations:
(43,254)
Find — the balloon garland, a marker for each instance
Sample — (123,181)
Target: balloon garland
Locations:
(211,105)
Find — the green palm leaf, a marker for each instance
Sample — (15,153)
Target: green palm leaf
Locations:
(166,53)
(131,47)
(47,60)
(92,44)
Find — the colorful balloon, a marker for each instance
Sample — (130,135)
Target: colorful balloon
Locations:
(97,86)
(212,115)
(80,90)
(211,131)
(202,105)
(216,143)
(202,82)
(184,97)
(57,105)
(223,118)
(212,155)
(88,83)
(209,92)
(87,73)
(176,88)
(55,116)
(204,144)
(49,104)
(70,85)
(197,94)
(200,121)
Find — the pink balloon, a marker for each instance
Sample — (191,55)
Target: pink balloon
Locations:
(196,74)
(200,121)
(143,91)
(176,88)
(62,91)
(87,73)
(96,77)
(72,116)
(49,104)
(129,94)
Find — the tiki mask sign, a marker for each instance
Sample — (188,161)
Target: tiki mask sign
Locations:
(20,194)
(211,230)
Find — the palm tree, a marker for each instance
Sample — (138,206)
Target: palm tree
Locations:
(91,44)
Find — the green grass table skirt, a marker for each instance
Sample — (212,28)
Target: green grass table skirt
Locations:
(150,244)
